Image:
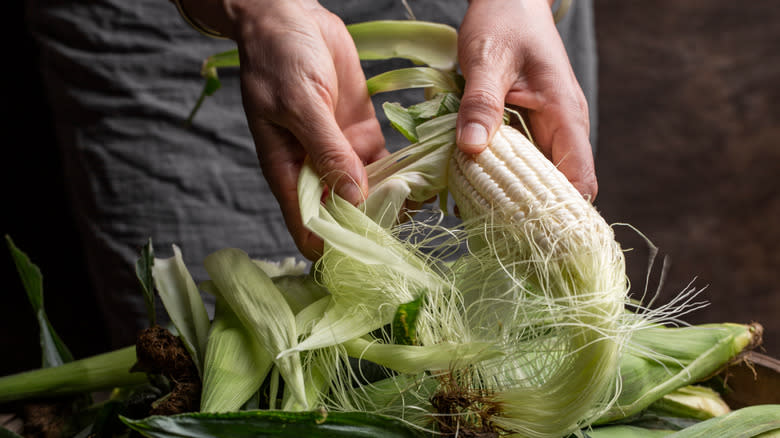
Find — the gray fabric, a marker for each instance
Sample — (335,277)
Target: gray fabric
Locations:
(579,37)
(122,77)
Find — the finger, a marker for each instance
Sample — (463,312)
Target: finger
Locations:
(354,110)
(332,155)
(488,77)
(281,158)
(562,133)
(482,106)
(574,158)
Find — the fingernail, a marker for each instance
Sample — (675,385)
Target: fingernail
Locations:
(473,134)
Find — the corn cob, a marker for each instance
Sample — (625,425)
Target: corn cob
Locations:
(512,179)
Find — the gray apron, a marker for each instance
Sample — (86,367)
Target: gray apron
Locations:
(122,76)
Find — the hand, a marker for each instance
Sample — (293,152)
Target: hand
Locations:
(304,93)
(511,52)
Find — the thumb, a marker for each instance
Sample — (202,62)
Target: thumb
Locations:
(481,108)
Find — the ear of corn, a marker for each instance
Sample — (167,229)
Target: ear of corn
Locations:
(752,421)
(653,366)
(543,282)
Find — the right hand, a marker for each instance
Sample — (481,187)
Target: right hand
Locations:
(304,94)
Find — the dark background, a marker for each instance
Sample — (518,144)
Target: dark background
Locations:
(688,154)
(689,147)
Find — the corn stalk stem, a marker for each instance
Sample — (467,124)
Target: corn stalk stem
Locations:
(104,371)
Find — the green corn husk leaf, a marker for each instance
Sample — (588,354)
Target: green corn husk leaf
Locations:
(414,173)
(752,421)
(54,352)
(654,366)
(257,424)
(406,120)
(356,310)
(316,384)
(691,401)
(414,77)
(401,120)
(356,248)
(182,301)
(300,291)
(261,308)
(143,271)
(310,315)
(104,371)
(413,359)
(235,364)
(422,42)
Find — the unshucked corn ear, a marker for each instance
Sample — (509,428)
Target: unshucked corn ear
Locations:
(524,218)
(693,401)
(653,366)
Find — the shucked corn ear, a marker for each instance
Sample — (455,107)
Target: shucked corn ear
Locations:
(519,209)
(543,281)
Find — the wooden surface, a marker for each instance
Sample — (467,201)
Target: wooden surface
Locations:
(689,147)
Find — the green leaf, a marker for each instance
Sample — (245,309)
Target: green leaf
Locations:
(406,120)
(421,42)
(257,424)
(401,120)
(182,301)
(413,359)
(235,364)
(209,72)
(405,322)
(439,105)
(261,308)
(413,77)
(143,271)
(53,350)
(227,58)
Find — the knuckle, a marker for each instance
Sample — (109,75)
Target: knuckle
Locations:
(482,104)
(483,49)
(330,162)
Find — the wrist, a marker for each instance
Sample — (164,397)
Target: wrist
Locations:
(215,18)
